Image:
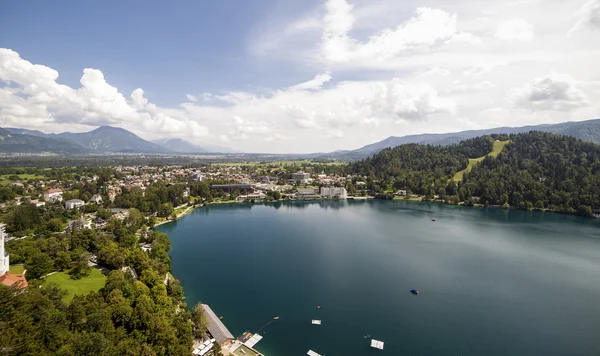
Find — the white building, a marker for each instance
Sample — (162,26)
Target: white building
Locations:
(74,203)
(97,199)
(53,195)
(301,176)
(4,262)
(334,193)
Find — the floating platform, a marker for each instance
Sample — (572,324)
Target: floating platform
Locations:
(376,344)
(316,322)
(253,341)
(312,353)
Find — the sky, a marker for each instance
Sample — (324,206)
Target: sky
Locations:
(297,76)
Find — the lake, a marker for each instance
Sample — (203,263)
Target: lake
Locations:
(492,281)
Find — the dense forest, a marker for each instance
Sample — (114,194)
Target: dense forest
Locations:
(421,169)
(535,170)
(128,316)
(539,170)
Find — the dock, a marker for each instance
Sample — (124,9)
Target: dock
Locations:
(376,344)
(253,340)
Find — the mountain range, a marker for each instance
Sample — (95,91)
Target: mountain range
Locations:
(107,139)
(182,146)
(104,139)
(588,131)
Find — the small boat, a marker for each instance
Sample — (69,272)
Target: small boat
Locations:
(319,307)
(276,318)
(432,219)
(221,317)
(415,291)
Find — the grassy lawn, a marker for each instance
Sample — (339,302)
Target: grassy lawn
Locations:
(85,285)
(4,180)
(16,269)
(498,146)
(248,352)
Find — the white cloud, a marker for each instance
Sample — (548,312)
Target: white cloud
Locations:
(515,30)
(224,138)
(191,97)
(557,92)
(313,84)
(335,133)
(437,71)
(486,84)
(588,16)
(276,138)
(243,128)
(34,92)
(428,29)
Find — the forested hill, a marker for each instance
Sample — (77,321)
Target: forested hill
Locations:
(534,170)
(422,169)
(540,170)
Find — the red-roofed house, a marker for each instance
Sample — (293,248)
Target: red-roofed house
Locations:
(10,279)
(53,195)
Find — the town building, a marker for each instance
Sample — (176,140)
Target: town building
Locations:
(252,197)
(74,203)
(7,278)
(216,328)
(307,193)
(334,192)
(4,260)
(301,177)
(232,187)
(53,195)
(96,199)
(37,203)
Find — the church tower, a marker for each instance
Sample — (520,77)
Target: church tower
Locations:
(3,255)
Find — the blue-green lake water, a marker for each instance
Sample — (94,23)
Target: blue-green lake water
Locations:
(492,281)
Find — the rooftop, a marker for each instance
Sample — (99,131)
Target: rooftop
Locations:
(18,280)
(216,328)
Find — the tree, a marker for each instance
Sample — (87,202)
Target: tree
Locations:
(54,225)
(165,210)
(62,261)
(23,217)
(539,205)
(103,213)
(200,321)
(276,195)
(81,267)
(38,265)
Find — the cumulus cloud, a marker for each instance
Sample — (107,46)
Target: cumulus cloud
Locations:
(34,94)
(515,30)
(335,133)
(244,128)
(554,92)
(588,16)
(427,29)
(313,84)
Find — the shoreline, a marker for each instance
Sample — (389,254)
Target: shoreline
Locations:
(367,198)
